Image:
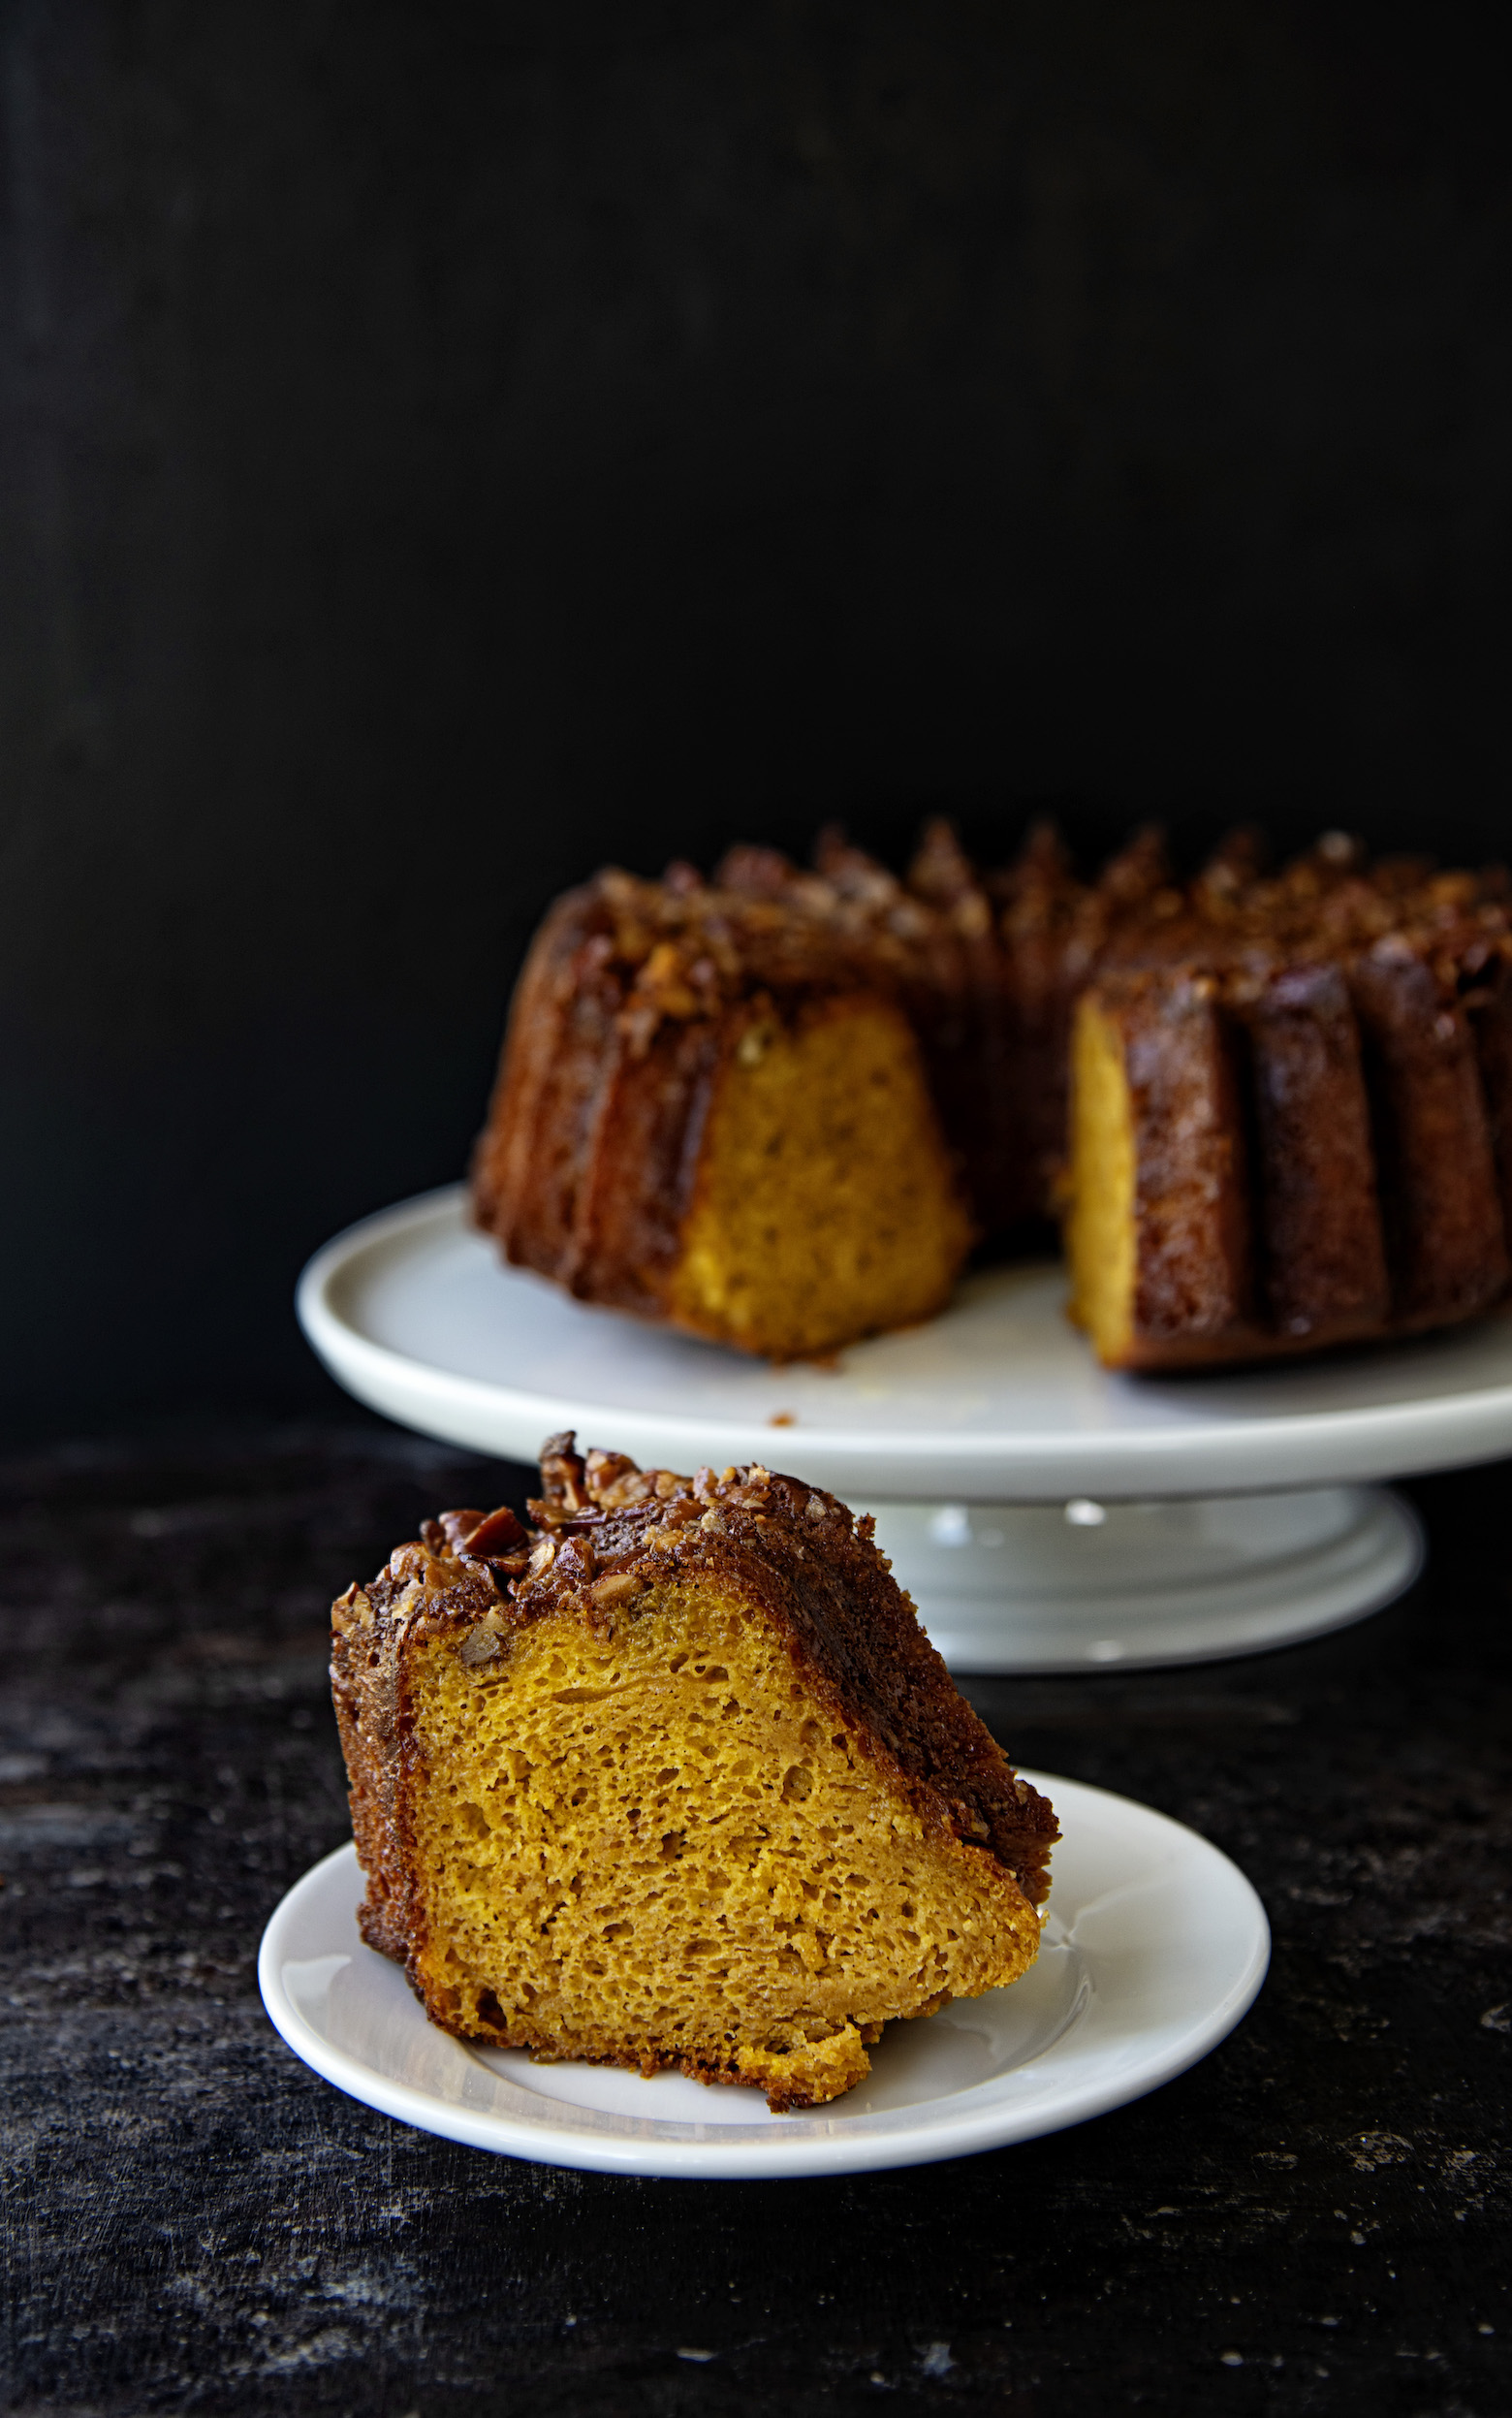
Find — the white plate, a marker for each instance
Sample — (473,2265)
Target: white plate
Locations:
(1155,1948)
(998,1400)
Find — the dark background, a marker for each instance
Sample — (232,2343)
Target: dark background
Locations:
(444,446)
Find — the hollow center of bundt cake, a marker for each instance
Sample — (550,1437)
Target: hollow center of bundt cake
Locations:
(650,1846)
(824,1206)
(1100,1233)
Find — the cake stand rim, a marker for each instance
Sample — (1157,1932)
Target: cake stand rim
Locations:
(1234,1455)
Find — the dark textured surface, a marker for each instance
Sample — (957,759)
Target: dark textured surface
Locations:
(445,445)
(1312,2220)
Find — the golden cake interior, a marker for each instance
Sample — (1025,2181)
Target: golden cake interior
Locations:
(1100,1231)
(647,1844)
(826,1205)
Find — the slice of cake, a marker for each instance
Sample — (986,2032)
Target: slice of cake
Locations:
(713,1108)
(674,1778)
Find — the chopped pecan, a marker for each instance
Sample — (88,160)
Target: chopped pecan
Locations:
(562,1472)
(603,1468)
(457,1526)
(619,1588)
(626,1491)
(502,1564)
(546,1515)
(615,1481)
(499,1533)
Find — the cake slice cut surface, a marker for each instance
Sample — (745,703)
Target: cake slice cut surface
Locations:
(822,1206)
(676,1780)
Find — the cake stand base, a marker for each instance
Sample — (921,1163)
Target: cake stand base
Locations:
(1082,1585)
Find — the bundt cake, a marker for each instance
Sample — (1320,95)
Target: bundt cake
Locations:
(1272,1112)
(672,1777)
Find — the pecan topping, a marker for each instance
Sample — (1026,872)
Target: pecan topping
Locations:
(603,1468)
(618,1589)
(500,1533)
(615,1483)
(562,1473)
(502,1564)
(546,1515)
(457,1526)
(454,1526)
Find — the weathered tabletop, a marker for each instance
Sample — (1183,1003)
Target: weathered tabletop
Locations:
(1311,2221)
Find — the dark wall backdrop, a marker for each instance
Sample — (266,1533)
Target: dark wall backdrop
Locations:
(443,446)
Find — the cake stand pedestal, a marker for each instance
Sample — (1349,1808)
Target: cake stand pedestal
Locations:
(1085,1585)
(1044,1514)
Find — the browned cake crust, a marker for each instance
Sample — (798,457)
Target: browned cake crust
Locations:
(1445,1237)
(1320,1270)
(601,1529)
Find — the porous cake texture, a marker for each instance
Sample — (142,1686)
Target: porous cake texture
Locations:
(672,1778)
(1272,1112)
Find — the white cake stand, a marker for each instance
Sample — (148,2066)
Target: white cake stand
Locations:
(1044,1514)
